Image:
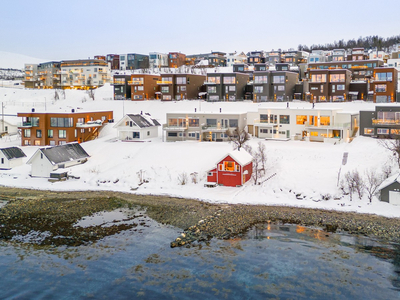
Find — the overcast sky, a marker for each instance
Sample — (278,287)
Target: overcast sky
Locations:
(58,30)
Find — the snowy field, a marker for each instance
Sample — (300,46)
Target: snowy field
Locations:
(309,169)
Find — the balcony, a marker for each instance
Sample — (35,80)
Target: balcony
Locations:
(211,82)
(388,122)
(89,124)
(25,125)
(174,128)
(164,82)
(264,123)
(136,82)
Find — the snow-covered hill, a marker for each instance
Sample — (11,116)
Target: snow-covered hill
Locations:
(309,169)
(16,61)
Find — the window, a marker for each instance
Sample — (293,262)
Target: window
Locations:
(2,160)
(213,98)
(340,87)
(261,79)
(273,119)
(258,89)
(179,122)
(214,79)
(212,122)
(140,88)
(233,123)
(35,121)
(172,134)
(165,89)
(166,80)
(318,78)
(263,130)
(194,122)
(384,76)
(232,88)
(301,119)
(180,80)
(167,97)
(380,88)
(281,88)
(325,121)
(61,122)
(383,131)
(38,133)
(337,78)
(314,133)
(27,133)
(333,88)
(284,119)
(62,134)
(37,142)
(136,135)
(192,134)
(278,79)
(263,118)
(229,80)
(212,89)
(229,166)
(183,88)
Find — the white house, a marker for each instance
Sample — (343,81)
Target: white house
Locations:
(47,160)
(137,127)
(11,157)
(309,124)
(7,127)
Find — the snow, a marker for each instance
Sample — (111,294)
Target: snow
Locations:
(17,61)
(242,157)
(305,171)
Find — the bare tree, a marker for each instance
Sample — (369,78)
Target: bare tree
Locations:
(238,137)
(352,183)
(386,170)
(393,145)
(91,93)
(372,182)
(259,162)
(183,178)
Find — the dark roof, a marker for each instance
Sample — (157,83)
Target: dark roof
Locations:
(143,122)
(64,153)
(12,152)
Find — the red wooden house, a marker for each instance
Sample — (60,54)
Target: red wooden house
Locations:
(233,170)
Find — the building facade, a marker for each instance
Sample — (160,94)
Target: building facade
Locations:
(144,87)
(176,59)
(180,86)
(226,86)
(329,85)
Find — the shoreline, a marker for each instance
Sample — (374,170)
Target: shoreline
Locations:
(200,220)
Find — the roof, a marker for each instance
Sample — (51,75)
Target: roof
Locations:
(12,152)
(389,181)
(143,121)
(241,156)
(63,153)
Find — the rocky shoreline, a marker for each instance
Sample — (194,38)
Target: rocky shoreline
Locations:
(199,220)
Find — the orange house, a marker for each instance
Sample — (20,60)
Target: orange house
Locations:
(42,129)
(234,169)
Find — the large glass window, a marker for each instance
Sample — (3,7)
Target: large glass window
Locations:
(180,80)
(233,123)
(318,78)
(27,133)
(62,134)
(229,166)
(284,119)
(50,133)
(337,77)
(278,79)
(301,119)
(261,79)
(61,122)
(369,131)
(258,89)
(263,118)
(229,80)
(166,80)
(380,88)
(340,87)
(194,123)
(165,89)
(281,88)
(38,133)
(212,89)
(177,122)
(384,76)
(325,121)
(212,122)
(214,79)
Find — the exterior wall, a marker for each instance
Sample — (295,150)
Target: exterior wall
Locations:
(384,196)
(113,60)
(158,60)
(366,127)
(136,61)
(78,132)
(212,175)
(235,59)
(229,178)
(178,88)
(84,74)
(41,167)
(289,83)
(390,86)
(204,131)
(31,76)
(176,59)
(126,133)
(325,91)
(122,90)
(144,86)
(4,162)
(227,91)
(261,88)
(384,122)
(6,127)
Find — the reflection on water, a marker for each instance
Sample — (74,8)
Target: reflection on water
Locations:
(270,261)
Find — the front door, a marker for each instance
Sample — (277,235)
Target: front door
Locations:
(214,137)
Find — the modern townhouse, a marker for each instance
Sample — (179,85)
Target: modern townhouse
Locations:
(382,122)
(273,57)
(133,61)
(42,76)
(113,61)
(41,129)
(235,58)
(358,54)
(176,59)
(256,57)
(158,60)
(84,74)
(180,86)
(217,59)
(307,124)
(294,57)
(329,85)
(283,85)
(226,86)
(144,86)
(384,85)
(122,90)
(30,76)
(202,126)
(318,56)
(338,55)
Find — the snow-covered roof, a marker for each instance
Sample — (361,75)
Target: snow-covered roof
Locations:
(12,152)
(62,153)
(389,181)
(241,156)
(143,121)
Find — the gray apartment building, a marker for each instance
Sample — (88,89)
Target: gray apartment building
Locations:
(226,86)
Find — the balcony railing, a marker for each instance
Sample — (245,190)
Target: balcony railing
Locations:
(136,82)
(389,122)
(90,124)
(164,82)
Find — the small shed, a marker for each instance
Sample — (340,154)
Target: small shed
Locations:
(137,127)
(234,169)
(389,190)
(46,160)
(11,157)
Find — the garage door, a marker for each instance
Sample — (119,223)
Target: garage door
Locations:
(394,197)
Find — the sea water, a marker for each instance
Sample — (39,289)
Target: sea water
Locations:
(269,262)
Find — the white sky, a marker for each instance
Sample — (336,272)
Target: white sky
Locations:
(56,30)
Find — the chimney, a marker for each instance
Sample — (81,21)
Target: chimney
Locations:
(220,109)
(72,110)
(141,112)
(33,110)
(195,109)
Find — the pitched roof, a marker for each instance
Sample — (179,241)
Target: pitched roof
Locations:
(64,153)
(242,157)
(389,181)
(12,152)
(143,121)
